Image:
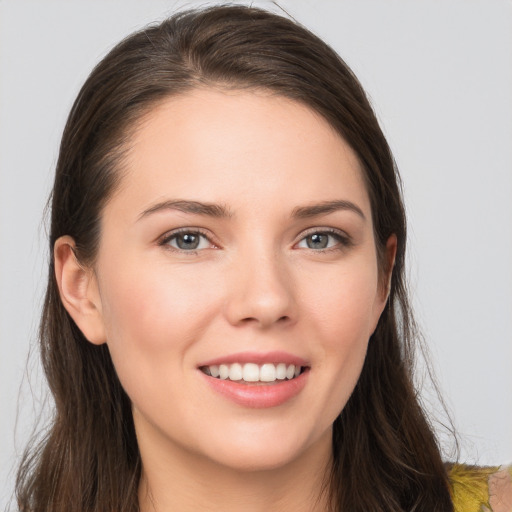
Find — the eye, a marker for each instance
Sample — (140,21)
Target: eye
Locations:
(187,241)
(321,240)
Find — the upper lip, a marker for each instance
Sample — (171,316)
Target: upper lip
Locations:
(259,358)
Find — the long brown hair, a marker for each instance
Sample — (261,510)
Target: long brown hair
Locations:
(385,454)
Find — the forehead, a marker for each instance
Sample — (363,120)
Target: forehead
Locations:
(232,146)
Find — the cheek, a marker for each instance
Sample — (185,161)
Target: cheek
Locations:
(342,316)
(154,307)
(343,304)
(152,317)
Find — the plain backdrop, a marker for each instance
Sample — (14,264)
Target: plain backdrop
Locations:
(440,77)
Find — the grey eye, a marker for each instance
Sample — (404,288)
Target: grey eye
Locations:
(188,241)
(322,240)
(317,241)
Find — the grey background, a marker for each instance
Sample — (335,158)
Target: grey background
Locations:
(440,77)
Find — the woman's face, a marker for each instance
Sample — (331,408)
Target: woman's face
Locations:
(240,241)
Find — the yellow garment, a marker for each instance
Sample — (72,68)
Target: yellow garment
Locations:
(481,489)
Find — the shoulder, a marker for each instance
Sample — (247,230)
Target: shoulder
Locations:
(481,489)
(500,490)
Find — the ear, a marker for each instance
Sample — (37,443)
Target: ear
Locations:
(389,264)
(384,283)
(79,291)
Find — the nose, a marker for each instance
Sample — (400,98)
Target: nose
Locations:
(261,292)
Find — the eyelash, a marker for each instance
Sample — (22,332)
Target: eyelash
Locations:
(167,238)
(343,240)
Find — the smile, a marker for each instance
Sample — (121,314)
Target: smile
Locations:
(256,379)
(252,372)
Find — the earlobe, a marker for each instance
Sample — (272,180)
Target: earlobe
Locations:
(78,291)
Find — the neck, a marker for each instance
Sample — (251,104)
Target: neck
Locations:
(184,481)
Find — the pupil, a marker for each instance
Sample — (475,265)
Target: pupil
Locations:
(188,241)
(318,241)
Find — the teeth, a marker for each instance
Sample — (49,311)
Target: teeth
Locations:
(251,372)
(223,371)
(235,372)
(281,371)
(268,373)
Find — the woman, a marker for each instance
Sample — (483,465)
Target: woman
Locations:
(226,322)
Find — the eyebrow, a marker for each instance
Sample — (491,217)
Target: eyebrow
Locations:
(181,205)
(326,207)
(220,211)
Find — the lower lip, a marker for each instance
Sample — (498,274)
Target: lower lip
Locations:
(260,395)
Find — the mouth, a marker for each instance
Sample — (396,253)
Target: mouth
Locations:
(252,373)
(257,380)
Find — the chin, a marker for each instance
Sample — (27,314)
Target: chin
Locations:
(276,449)
(256,461)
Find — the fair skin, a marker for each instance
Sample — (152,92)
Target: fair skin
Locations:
(275,264)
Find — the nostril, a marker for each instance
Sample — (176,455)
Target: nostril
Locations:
(281,320)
